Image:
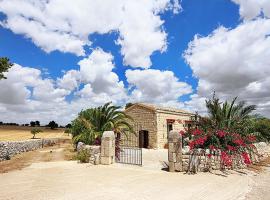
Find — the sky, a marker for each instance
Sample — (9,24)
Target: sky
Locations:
(69,56)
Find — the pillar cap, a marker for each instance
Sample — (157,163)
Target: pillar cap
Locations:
(109,134)
(174,134)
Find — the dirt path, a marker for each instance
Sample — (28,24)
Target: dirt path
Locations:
(59,152)
(45,174)
(68,180)
(261,188)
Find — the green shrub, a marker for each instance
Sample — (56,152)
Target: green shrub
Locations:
(83,156)
(35,131)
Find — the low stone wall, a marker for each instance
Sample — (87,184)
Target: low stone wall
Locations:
(9,149)
(206,163)
(182,159)
(94,152)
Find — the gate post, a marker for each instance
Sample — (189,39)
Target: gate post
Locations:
(107,148)
(175,151)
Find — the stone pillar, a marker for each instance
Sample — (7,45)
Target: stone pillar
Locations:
(107,155)
(175,151)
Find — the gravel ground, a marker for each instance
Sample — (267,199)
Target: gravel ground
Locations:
(68,180)
(261,188)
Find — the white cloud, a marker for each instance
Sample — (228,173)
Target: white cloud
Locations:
(65,26)
(156,86)
(70,80)
(27,96)
(96,73)
(234,62)
(250,9)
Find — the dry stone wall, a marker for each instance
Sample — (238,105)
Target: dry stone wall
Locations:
(9,149)
(181,161)
(206,163)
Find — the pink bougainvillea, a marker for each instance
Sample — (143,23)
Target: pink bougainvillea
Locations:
(246,158)
(230,144)
(221,133)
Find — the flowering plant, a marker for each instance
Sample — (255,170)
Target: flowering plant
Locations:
(229,144)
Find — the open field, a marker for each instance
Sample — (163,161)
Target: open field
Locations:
(15,133)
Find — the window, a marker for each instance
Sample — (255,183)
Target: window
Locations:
(169,128)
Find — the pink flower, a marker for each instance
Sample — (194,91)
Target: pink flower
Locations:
(246,158)
(239,142)
(191,145)
(182,133)
(227,160)
(251,138)
(212,147)
(230,148)
(197,132)
(221,133)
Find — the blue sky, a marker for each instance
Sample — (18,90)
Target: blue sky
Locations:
(180,21)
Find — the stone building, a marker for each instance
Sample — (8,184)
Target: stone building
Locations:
(153,123)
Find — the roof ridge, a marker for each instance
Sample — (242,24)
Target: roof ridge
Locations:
(160,107)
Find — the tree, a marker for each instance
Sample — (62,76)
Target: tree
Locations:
(90,124)
(35,131)
(261,126)
(68,126)
(32,123)
(37,123)
(52,125)
(5,64)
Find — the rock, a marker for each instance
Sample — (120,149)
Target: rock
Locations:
(185,150)
(80,146)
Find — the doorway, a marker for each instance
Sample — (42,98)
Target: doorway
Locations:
(143,139)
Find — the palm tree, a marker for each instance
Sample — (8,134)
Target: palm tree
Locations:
(91,123)
(228,115)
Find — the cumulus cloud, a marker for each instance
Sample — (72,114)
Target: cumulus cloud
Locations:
(65,26)
(250,9)
(27,96)
(156,86)
(234,62)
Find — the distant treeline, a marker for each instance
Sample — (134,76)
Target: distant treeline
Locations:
(51,124)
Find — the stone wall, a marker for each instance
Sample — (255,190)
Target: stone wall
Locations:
(144,119)
(206,163)
(178,125)
(9,149)
(198,160)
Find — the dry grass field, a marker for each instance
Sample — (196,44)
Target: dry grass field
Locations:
(16,133)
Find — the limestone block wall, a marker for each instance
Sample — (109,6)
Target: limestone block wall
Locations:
(206,163)
(94,153)
(144,119)
(178,125)
(9,149)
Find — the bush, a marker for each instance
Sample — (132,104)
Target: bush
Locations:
(230,144)
(67,131)
(83,156)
